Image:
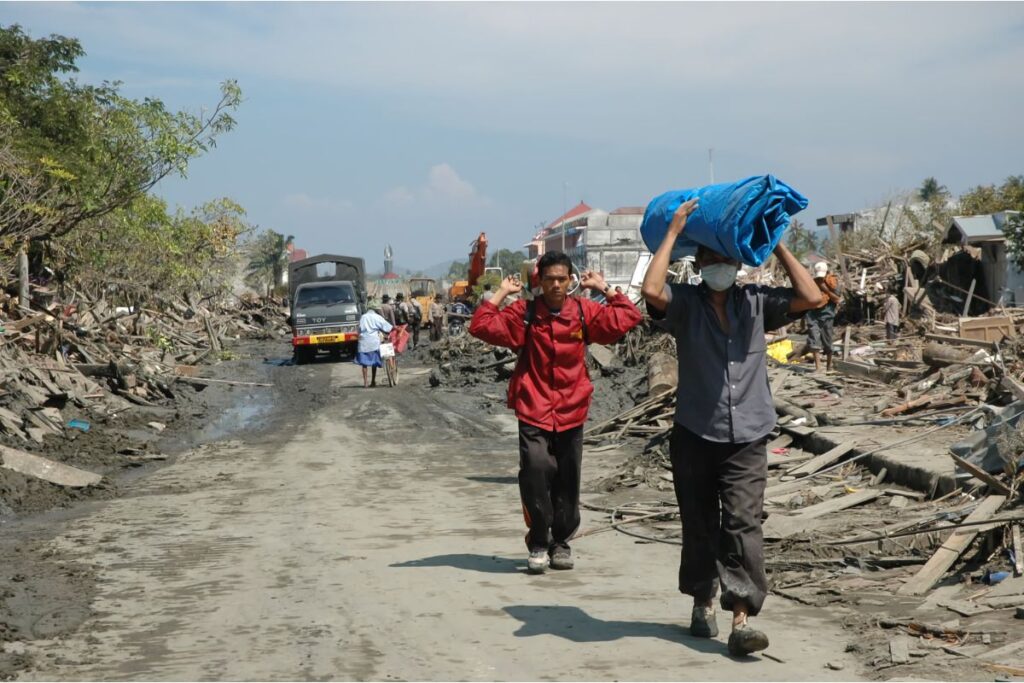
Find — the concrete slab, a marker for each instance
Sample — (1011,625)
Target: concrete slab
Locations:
(923,465)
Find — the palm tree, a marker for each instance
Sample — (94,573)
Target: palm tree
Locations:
(268,255)
(799,239)
(931,189)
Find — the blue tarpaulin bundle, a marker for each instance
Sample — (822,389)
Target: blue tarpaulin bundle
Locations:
(743,220)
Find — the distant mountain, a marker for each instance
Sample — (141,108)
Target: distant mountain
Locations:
(438,270)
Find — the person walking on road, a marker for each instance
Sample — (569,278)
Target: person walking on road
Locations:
(436,318)
(724,414)
(415,320)
(371,325)
(387,309)
(550,392)
(821,320)
(891,313)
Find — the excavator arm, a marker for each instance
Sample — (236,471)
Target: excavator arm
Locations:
(477,259)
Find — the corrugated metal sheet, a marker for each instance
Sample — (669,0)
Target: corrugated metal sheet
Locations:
(984,228)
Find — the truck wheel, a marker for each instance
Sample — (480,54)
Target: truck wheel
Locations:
(303,356)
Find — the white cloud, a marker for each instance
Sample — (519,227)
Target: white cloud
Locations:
(443,188)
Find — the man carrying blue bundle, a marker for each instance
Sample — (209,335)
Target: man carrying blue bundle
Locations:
(724,413)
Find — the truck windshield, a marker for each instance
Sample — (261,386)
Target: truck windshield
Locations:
(325,296)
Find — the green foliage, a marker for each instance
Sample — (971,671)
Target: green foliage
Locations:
(1014,231)
(799,239)
(459,270)
(491,279)
(142,250)
(89,149)
(266,259)
(508,260)
(985,199)
(931,190)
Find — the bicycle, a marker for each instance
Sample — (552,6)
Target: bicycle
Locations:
(387,354)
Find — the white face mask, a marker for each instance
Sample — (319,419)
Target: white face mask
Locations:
(719,276)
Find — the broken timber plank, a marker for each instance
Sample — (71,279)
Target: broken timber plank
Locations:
(1013,386)
(994,484)
(787,459)
(797,430)
(990,329)
(24,323)
(784,407)
(824,460)
(950,551)
(960,340)
(871,372)
(779,526)
(48,470)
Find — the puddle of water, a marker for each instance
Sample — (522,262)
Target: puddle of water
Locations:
(243,414)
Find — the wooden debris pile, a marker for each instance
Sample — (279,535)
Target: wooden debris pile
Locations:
(66,367)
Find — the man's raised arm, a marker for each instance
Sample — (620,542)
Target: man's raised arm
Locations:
(806,296)
(653,289)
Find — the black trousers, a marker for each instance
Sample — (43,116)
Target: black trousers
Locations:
(415,329)
(891,331)
(549,484)
(720,491)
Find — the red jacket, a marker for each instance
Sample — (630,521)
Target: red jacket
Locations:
(550,387)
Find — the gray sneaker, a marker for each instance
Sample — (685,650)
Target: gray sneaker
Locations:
(538,562)
(744,640)
(561,558)
(703,622)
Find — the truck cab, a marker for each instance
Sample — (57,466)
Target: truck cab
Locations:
(327,297)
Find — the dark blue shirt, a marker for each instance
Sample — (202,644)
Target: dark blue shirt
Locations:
(723,390)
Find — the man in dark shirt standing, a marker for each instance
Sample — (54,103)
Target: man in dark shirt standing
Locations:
(724,414)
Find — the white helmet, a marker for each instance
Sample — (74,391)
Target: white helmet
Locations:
(820,269)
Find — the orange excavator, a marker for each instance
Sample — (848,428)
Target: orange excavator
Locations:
(461,289)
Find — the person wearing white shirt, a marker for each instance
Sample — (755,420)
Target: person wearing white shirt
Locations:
(371,326)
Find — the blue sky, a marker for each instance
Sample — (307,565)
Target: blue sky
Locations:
(421,125)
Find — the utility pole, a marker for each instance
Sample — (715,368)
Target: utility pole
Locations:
(711,164)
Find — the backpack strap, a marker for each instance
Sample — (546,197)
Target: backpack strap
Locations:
(528,315)
(583,324)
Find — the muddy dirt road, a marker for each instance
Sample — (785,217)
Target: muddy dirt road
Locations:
(372,535)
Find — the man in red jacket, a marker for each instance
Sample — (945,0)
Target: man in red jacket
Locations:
(550,392)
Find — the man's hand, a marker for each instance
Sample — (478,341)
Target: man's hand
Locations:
(679,217)
(594,281)
(510,285)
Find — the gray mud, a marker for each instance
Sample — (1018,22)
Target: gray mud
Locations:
(42,594)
